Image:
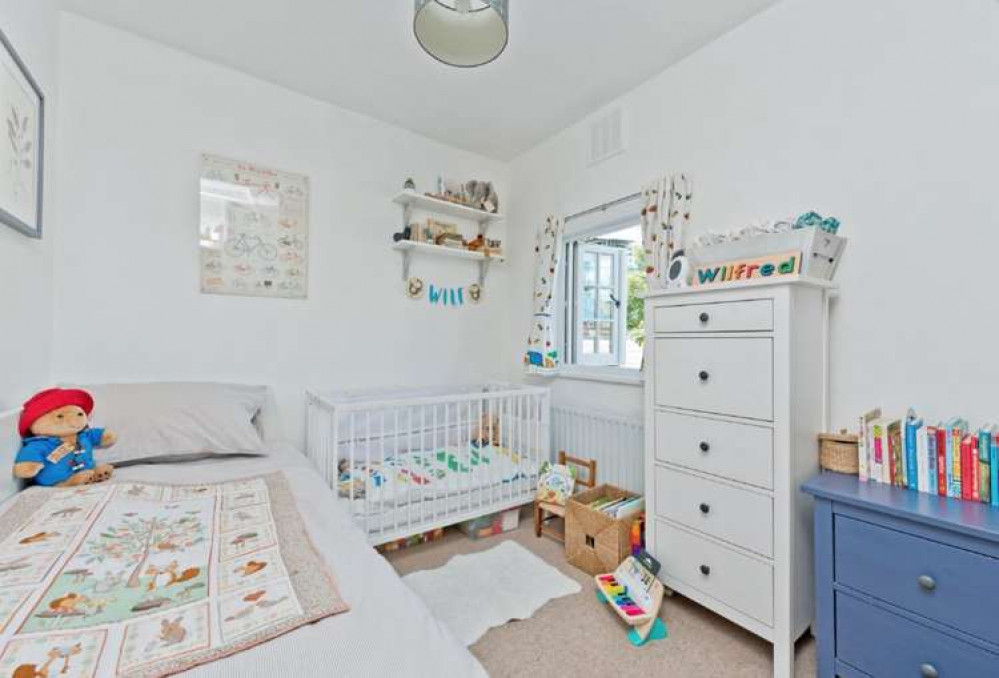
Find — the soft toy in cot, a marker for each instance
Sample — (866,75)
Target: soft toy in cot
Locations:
(487,431)
(634,592)
(57,443)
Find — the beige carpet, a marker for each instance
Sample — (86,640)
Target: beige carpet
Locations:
(577,636)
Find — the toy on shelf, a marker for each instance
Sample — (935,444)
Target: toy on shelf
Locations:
(634,592)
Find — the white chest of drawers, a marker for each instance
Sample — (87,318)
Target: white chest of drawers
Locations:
(735,395)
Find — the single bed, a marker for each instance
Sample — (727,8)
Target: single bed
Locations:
(388,631)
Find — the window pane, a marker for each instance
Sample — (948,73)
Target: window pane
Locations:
(605,304)
(589,338)
(605,333)
(589,268)
(607,269)
(588,303)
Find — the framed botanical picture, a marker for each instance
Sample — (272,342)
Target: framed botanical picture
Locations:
(22,107)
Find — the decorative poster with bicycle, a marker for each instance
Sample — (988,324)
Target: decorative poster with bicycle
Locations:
(254,230)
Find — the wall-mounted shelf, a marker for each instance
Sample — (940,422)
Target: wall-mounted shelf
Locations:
(411,199)
(408,248)
(442,251)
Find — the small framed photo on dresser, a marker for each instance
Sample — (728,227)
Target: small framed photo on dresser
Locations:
(22,107)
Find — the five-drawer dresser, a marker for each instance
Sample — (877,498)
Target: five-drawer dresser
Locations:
(907,584)
(735,396)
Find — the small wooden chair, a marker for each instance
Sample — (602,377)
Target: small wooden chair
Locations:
(545,512)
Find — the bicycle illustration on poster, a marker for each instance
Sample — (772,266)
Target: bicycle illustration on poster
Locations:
(254,230)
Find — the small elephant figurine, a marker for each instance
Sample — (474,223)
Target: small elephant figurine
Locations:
(481,195)
(57,443)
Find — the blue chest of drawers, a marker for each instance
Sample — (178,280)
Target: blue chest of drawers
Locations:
(907,584)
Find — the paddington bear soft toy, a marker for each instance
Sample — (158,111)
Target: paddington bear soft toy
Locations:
(57,443)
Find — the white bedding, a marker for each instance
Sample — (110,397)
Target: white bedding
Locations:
(388,630)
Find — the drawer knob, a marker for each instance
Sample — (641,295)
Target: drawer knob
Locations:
(705,570)
(704,317)
(703,375)
(928,671)
(705,509)
(704,446)
(926,582)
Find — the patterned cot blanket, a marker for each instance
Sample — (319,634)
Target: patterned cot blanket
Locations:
(141,579)
(429,474)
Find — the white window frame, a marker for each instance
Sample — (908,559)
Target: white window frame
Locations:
(586,225)
(577,249)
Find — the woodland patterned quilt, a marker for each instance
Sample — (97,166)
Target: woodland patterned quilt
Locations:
(141,579)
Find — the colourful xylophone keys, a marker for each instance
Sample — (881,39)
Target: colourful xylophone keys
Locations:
(618,594)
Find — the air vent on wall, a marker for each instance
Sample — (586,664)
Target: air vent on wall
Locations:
(606,136)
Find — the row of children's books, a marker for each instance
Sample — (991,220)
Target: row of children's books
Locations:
(618,508)
(948,459)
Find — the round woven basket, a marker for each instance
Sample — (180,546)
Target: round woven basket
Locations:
(838,452)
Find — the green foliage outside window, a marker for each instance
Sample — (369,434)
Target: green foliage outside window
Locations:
(636,285)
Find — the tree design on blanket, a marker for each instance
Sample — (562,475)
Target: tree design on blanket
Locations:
(139,557)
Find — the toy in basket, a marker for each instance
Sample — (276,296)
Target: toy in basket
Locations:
(633,591)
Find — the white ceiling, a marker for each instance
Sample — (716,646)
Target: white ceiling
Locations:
(565,58)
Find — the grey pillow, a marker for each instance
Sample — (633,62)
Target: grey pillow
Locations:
(173,421)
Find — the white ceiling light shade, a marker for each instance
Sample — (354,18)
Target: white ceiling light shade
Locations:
(462,33)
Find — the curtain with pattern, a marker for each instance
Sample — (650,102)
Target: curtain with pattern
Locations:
(665,216)
(543,355)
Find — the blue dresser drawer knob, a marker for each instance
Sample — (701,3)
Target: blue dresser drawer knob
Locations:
(927,583)
(705,509)
(705,570)
(929,671)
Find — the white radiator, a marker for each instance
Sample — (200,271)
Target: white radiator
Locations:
(616,442)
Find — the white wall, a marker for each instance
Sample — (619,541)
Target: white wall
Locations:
(136,117)
(885,114)
(26,264)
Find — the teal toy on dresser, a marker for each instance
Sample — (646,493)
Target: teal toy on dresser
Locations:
(907,583)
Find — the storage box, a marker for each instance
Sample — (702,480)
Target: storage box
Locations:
(413,540)
(594,541)
(494,523)
(820,251)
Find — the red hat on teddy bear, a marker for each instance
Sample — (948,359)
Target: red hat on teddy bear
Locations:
(45,401)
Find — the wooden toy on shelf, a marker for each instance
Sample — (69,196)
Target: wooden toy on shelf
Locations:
(635,594)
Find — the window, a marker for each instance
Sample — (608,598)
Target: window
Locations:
(603,314)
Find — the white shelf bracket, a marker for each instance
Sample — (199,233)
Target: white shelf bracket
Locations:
(483,269)
(407,212)
(407,256)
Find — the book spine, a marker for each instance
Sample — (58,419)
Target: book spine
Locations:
(932,477)
(911,477)
(890,453)
(897,453)
(923,461)
(984,465)
(994,465)
(955,446)
(862,459)
(941,443)
(877,440)
(976,491)
(965,458)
